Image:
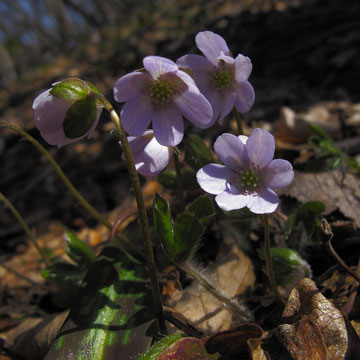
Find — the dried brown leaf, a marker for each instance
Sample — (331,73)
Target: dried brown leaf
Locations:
(335,189)
(234,274)
(303,340)
(31,339)
(306,301)
(234,340)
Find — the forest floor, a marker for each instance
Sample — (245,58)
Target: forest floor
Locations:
(305,70)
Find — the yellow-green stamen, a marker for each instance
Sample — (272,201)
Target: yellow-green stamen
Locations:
(161,94)
(249,180)
(222,79)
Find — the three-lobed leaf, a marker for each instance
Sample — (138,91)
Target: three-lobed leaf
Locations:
(197,153)
(72,89)
(80,117)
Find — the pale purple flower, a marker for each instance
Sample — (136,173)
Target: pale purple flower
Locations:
(249,175)
(49,115)
(220,77)
(161,94)
(150,157)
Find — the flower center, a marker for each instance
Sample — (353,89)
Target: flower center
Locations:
(160,93)
(249,180)
(222,78)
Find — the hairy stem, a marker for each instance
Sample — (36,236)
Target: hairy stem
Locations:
(23,224)
(227,302)
(179,179)
(60,173)
(268,260)
(134,177)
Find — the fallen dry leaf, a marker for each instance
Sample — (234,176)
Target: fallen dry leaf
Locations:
(244,337)
(31,339)
(307,303)
(335,189)
(303,340)
(234,274)
(293,127)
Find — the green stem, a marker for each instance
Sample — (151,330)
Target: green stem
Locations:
(227,302)
(268,260)
(179,179)
(134,177)
(238,121)
(61,174)
(25,227)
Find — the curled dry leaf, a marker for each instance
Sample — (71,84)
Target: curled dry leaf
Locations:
(307,309)
(335,189)
(293,127)
(234,274)
(303,339)
(32,338)
(245,337)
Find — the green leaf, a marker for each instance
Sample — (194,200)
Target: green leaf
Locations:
(308,214)
(203,209)
(70,89)
(181,240)
(197,153)
(78,251)
(155,351)
(79,118)
(63,271)
(177,347)
(319,132)
(287,264)
(162,220)
(351,162)
(187,231)
(169,181)
(112,316)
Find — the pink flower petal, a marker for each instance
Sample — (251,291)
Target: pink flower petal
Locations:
(211,45)
(157,65)
(260,147)
(279,173)
(243,68)
(195,108)
(243,138)
(153,159)
(138,143)
(196,63)
(245,96)
(212,178)
(227,104)
(49,112)
(264,203)
(130,85)
(168,126)
(228,201)
(216,102)
(231,151)
(136,115)
(227,59)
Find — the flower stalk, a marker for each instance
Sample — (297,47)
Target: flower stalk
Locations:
(23,224)
(60,173)
(238,121)
(134,177)
(268,260)
(179,179)
(227,302)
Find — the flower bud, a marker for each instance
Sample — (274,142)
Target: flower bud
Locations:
(289,267)
(67,112)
